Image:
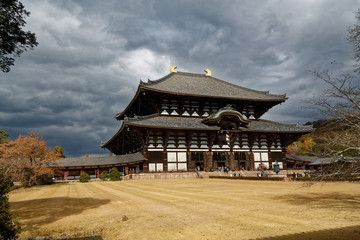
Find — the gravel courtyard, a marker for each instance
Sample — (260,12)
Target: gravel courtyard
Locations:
(190,209)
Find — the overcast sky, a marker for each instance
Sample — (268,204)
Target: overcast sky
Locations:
(92,55)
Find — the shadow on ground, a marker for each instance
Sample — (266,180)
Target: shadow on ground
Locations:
(34,213)
(345,233)
(319,200)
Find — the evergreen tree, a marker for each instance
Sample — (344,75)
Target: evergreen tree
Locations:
(115,174)
(58,150)
(8,228)
(84,177)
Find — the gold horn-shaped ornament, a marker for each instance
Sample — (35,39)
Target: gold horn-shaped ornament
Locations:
(208,72)
(172,69)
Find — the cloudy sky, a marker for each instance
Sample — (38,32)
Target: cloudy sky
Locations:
(92,55)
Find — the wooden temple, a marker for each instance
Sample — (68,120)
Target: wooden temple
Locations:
(185,121)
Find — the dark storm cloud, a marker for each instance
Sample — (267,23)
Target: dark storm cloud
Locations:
(92,54)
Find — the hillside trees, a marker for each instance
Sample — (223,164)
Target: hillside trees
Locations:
(13,39)
(303,147)
(27,158)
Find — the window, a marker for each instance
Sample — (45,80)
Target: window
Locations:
(152,167)
(177,161)
(159,167)
(261,159)
(172,167)
(181,156)
(182,166)
(171,156)
(156,167)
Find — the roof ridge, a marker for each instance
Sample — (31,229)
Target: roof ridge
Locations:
(151,82)
(142,117)
(249,89)
(287,124)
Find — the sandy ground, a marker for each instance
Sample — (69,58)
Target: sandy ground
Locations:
(191,209)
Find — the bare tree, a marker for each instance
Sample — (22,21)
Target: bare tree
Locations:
(340,138)
(340,102)
(354,38)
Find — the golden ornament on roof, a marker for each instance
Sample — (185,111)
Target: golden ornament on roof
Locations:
(172,69)
(208,72)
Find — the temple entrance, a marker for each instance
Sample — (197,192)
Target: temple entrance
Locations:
(198,158)
(199,166)
(220,159)
(221,164)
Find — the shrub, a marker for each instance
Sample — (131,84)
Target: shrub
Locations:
(104,175)
(8,228)
(44,180)
(114,174)
(84,177)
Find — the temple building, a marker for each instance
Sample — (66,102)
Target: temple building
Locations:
(185,121)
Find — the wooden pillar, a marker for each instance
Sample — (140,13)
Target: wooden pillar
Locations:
(232,162)
(66,174)
(190,162)
(98,172)
(250,155)
(284,158)
(146,167)
(210,160)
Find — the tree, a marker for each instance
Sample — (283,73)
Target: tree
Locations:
(27,158)
(340,102)
(13,39)
(8,228)
(104,175)
(3,137)
(115,174)
(84,177)
(304,146)
(58,150)
(354,37)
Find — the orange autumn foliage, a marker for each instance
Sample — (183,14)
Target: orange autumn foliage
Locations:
(27,158)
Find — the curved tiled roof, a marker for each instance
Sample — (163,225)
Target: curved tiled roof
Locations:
(270,126)
(100,161)
(202,85)
(156,121)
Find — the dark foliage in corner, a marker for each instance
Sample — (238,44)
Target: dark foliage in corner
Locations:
(8,228)
(13,39)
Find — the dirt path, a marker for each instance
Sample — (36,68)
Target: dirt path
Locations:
(192,209)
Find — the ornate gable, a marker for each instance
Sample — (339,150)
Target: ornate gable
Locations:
(226,118)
